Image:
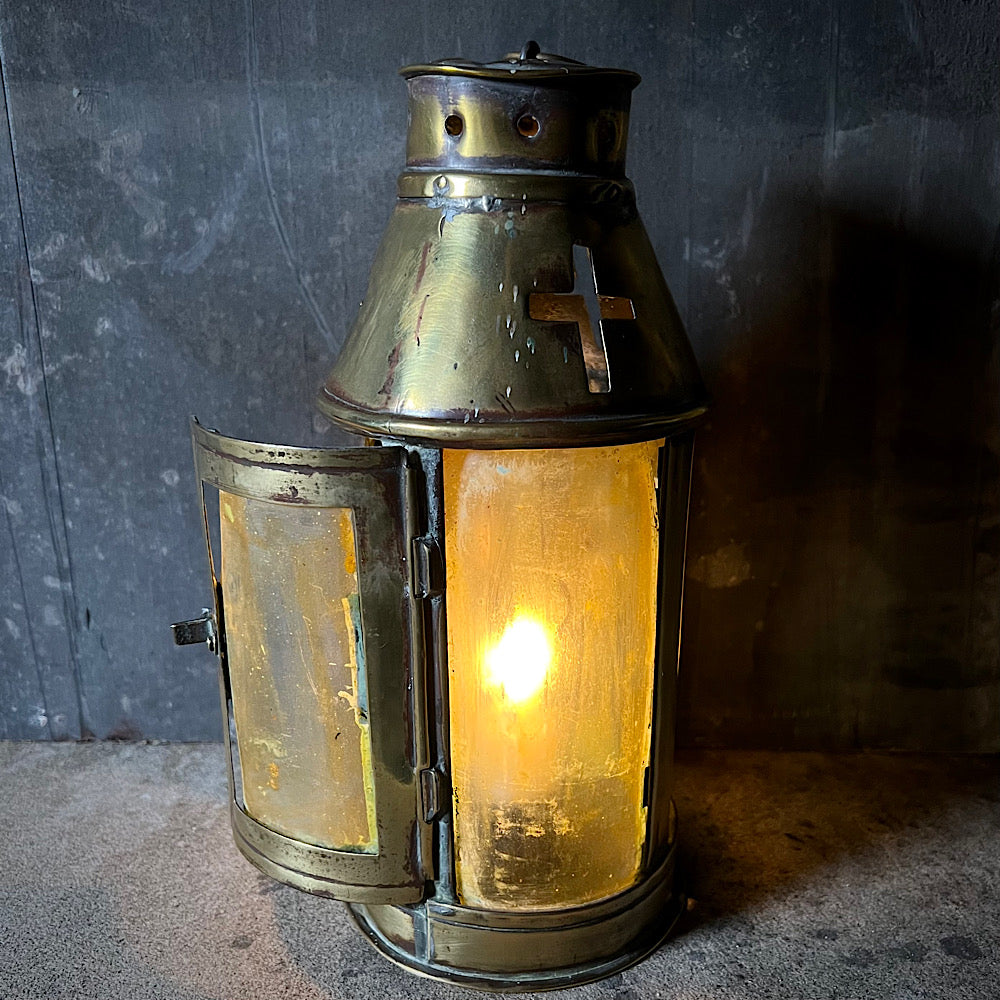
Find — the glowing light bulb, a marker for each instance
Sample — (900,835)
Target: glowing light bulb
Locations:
(519,662)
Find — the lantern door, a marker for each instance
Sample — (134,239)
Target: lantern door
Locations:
(316,633)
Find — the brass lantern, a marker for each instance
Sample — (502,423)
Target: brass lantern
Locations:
(449,657)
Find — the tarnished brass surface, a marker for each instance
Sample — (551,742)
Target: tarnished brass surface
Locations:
(435,182)
(531,110)
(513,952)
(446,349)
(674,501)
(521,122)
(375,484)
(466,336)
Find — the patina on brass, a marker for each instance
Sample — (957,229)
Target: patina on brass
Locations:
(515,302)
(473,330)
(377,484)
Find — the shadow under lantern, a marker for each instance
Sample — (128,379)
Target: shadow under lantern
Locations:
(449,657)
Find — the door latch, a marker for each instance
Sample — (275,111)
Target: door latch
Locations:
(197,630)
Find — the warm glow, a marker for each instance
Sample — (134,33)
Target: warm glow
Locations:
(519,662)
(552,571)
(296,663)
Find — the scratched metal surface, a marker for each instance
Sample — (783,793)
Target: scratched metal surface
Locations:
(192,201)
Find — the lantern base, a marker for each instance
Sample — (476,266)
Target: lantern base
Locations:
(504,951)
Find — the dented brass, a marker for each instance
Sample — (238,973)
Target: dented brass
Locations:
(514,196)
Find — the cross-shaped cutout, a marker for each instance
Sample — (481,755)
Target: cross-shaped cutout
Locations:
(586,307)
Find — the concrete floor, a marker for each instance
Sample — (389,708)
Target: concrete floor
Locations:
(815,875)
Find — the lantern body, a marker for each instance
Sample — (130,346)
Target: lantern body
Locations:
(448,660)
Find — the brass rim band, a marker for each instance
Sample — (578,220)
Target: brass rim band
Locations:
(564,432)
(308,867)
(528,186)
(520,74)
(437,939)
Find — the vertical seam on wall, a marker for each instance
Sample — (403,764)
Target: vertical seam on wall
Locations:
(24,601)
(690,168)
(55,509)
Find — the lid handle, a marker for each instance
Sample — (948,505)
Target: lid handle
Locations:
(529,50)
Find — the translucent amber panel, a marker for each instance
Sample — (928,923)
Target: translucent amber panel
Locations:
(296,664)
(551,593)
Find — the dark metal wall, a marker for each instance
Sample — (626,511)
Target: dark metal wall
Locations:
(192,192)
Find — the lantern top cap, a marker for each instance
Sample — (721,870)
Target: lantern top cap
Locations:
(530,64)
(515,301)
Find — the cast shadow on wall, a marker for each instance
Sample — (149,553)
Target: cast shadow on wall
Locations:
(843,586)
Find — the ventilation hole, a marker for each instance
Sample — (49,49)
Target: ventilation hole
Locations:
(454,125)
(527,125)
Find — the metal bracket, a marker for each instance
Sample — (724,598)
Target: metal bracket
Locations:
(197,630)
(427,569)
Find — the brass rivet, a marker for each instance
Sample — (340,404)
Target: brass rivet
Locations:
(441,182)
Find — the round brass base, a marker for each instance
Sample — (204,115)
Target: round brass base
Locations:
(518,952)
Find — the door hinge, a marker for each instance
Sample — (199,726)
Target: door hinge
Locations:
(433,794)
(427,569)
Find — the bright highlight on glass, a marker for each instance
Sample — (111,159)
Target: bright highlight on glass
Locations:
(519,663)
(552,570)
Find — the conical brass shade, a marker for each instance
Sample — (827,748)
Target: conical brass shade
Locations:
(515,299)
